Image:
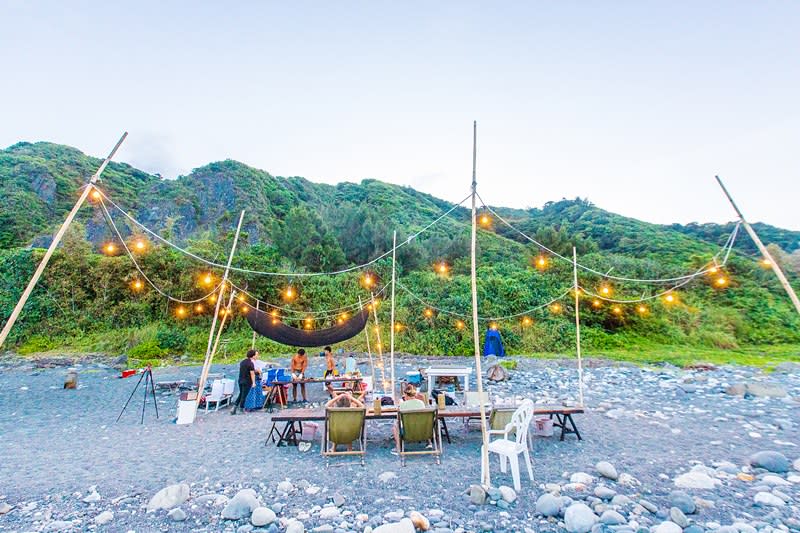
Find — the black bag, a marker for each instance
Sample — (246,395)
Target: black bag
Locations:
(387,400)
(448,400)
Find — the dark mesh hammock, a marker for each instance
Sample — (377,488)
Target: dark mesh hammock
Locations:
(262,323)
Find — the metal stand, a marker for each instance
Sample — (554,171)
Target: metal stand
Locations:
(147,375)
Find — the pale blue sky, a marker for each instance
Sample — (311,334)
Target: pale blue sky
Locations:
(635,105)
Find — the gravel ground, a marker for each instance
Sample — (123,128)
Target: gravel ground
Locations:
(662,429)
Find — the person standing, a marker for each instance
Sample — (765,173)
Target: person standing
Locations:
(247,379)
(298,367)
(330,363)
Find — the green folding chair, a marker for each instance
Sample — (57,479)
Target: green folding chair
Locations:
(419,426)
(343,427)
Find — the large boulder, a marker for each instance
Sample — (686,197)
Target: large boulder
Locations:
(497,373)
(169,497)
(242,505)
(579,518)
(770,460)
(262,516)
(548,505)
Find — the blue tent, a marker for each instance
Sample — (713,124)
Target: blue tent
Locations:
(493,345)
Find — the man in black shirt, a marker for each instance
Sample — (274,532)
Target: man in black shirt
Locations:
(247,378)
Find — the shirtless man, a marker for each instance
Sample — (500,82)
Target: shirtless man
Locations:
(298,368)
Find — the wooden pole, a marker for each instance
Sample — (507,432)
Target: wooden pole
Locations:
(391,333)
(253,342)
(209,353)
(379,346)
(577,322)
(485,476)
(763,249)
(222,323)
(369,350)
(56,240)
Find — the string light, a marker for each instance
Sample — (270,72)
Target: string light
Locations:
(199,309)
(493,326)
(670,298)
(95,194)
(244,309)
(428,313)
(526,321)
(617,310)
(289,293)
(541,262)
(766,263)
(398,326)
(212,298)
(241,298)
(442,268)
(721,281)
(596,303)
(180,312)
(308,322)
(484,220)
(713,270)
(367,280)
(555,308)
(110,248)
(605,290)
(642,310)
(207,279)
(137,285)
(459,324)
(139,245)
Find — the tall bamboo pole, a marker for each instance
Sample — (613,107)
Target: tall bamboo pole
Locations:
(56,240)
(485,476)
(391,333)
(379,346)
(577,290)
(253,342)
(763,249)
(209,352)
(369,350)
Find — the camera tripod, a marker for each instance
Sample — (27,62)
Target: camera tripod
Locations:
(147,375)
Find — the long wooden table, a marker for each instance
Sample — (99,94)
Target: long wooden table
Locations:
(294,419)
(275,390)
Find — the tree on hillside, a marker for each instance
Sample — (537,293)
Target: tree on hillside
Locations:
(304,238)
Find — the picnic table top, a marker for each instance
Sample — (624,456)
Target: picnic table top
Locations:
(453,411)
(322,380)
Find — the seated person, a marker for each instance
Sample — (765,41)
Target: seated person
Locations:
(344,400)
(410,401)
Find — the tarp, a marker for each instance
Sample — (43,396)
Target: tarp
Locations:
(264,324)
(493,345)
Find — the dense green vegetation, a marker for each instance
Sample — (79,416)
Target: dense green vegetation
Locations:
(87,301)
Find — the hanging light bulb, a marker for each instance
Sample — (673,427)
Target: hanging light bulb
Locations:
(641,309)
(596,303)
(180,312)
(765,263)
(442,268)
(485,220)
(493,326)
(212,298)
(289,293)
(110,248)
(541,262)
(398,326)
(207,279)
(368,280)
(241,298)
(308,322)
(459,324)
(617,310)
(137,285)
(605,290)
(526,321)
(198,309)
(713,270)
(555,308)
(670,298)
(139,245)
(243,309)
(428,313)
(721,281)
(95,194)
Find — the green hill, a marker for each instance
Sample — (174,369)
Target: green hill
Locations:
(293,225)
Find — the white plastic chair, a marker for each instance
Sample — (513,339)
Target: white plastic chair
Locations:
(475,399)
(508,449)
(228,387)
(217,394)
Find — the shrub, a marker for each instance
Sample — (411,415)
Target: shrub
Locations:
(147,349)
(172,339)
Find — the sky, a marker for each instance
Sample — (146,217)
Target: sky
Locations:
(634,105)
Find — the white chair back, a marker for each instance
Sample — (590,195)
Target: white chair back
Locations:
(228,387)
(217,390)
(367,380)
(521,420)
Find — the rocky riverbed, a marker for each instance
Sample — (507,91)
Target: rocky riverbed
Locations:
(664,450)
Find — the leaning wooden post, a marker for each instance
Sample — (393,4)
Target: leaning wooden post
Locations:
(577,290)
(369,350)
(485,477)
(763,249)
(56,240)
(209,354)
(391,332)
